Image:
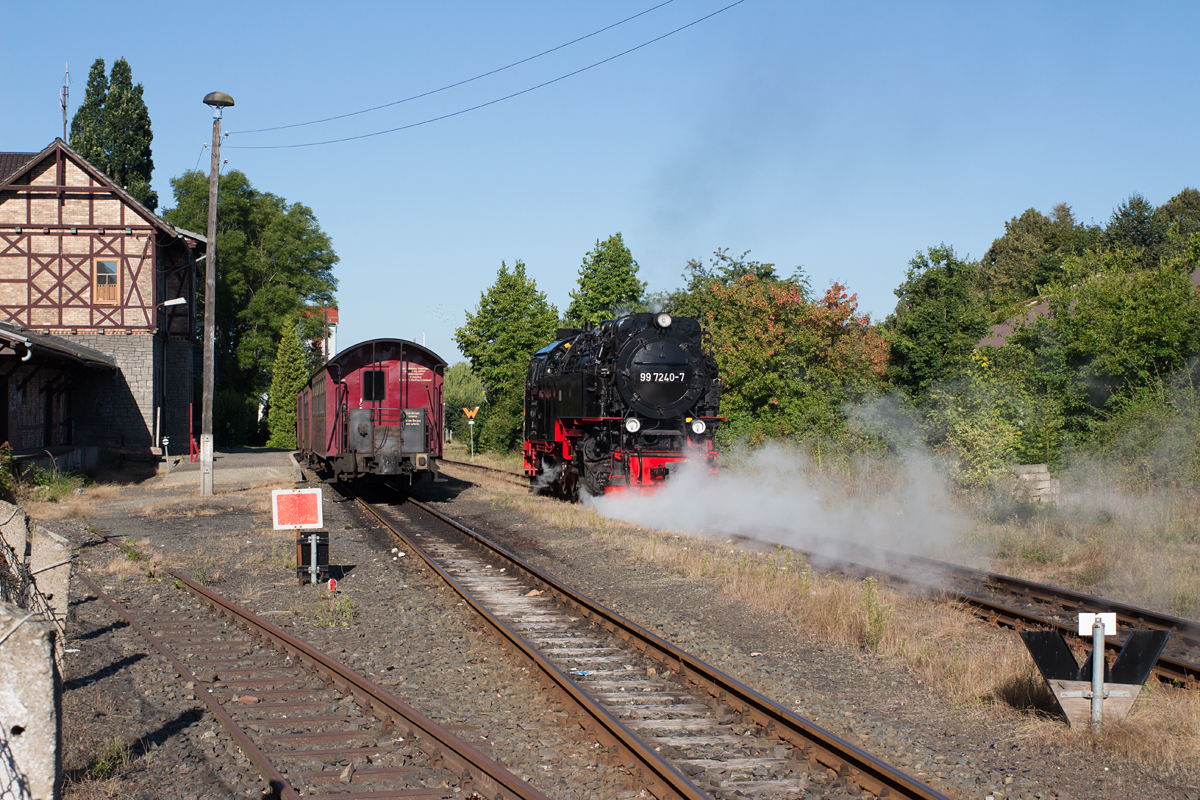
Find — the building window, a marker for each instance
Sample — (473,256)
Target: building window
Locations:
(104,282)
(374,387)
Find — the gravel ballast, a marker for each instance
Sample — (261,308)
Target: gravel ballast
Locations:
(415,638)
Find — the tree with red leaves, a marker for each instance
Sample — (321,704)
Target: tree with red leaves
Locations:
(790,362)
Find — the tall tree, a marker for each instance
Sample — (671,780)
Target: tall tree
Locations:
(789,363)
(111,129)
(273,259)
(87,126)
(937,322)
(1135,226)
(1031,253)
(697,297)
(512,321)
(1180,217)
(289,373)
(608,283)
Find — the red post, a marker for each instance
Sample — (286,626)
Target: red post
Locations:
(194,452)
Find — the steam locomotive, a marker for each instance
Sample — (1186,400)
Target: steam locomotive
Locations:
(619,406)
(373,413)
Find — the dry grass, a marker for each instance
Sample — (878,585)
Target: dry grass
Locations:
(1161,731)
(102,779)
(963,660)
(510,461)
(1144,550)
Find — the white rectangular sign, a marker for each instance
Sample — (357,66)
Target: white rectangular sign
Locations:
(297,508)
(1086,621)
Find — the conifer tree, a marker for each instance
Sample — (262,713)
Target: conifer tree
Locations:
(111,129)
(289,377)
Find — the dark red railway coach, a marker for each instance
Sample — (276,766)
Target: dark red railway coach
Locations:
(374,412)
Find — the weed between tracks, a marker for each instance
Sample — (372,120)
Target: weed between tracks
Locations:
(331,611)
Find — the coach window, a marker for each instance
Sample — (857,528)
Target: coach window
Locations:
(104,282)
(374,386)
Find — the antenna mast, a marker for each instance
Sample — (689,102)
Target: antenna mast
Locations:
(63,95)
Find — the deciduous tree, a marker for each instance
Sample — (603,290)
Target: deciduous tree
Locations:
(1134,227)
(789,363)
(608,284)
(512,321)
(1030,254)
(462,389)
(937,322)
(273,258)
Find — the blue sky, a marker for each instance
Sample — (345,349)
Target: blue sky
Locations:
(841,137)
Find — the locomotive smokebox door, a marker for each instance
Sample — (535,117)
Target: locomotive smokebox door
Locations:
(360,436)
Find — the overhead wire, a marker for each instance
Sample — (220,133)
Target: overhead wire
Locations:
(490,102)
(459,83)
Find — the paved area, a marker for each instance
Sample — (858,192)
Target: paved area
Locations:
(234,470)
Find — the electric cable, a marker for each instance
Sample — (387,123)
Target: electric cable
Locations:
(490,102)
(459,83)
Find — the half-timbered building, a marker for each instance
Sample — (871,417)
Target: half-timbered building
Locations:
(89,353)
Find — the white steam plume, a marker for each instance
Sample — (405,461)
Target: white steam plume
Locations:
(774,496)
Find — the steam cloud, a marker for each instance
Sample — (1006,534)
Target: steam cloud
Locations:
(774,496)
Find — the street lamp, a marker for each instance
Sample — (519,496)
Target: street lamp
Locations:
(218,101)
(325,298)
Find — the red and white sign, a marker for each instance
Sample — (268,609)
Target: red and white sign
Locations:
(297,508)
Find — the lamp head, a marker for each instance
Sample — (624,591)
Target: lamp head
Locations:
(218,100)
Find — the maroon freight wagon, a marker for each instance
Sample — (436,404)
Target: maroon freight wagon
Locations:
(374,412)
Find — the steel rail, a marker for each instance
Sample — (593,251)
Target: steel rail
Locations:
(509,475)
(993,610)
(655,774)
(1168,668)
(277,782)
(473,766)
(470,762)
(820,746)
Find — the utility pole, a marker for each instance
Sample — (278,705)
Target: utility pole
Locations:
(64,95)
(218,101)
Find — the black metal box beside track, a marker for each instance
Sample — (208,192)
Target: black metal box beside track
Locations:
(304,557)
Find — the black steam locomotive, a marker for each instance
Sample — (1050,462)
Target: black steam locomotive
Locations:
(619,406)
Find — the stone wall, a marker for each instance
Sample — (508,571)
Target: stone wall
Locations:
(1034,484)
(116,409)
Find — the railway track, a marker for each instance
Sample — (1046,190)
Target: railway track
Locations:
(683,728)
(302,718)
(1010,602)
(1023,605)
(494,472)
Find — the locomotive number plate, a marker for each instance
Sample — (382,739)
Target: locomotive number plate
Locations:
(662,377)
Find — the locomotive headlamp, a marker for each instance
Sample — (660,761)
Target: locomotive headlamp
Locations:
(698,426)
(633,424)
(663,320)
